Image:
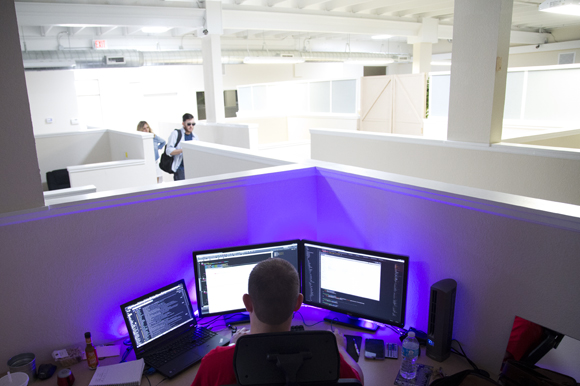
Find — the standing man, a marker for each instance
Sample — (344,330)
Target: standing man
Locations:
(174,148)
(273,296)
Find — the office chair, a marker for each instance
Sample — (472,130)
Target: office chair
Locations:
(289,358)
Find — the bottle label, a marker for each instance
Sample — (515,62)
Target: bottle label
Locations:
(410,353)
(92,359)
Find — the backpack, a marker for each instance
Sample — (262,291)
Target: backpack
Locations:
(166,161)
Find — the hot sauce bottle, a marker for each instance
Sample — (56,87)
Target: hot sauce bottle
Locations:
(92,358)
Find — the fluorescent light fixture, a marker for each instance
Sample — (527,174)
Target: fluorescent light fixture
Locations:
(564,7)
(155,30)
(370,62)
(441,63)
(49,64)
(381,37)
(273,60)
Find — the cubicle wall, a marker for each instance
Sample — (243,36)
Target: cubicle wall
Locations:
(550,174)
(107,159)
(204,160)
(510,255)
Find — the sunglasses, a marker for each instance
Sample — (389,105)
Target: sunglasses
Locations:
(190,124)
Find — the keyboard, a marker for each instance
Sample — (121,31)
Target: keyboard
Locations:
(193,338)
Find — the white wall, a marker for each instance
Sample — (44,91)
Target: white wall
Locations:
(549,174)
(52,95)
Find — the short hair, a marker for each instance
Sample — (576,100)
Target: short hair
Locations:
(186,117)
(274,287)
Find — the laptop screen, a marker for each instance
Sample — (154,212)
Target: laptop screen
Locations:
(158,313)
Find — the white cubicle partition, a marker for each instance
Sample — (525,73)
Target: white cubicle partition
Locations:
(108,159)
(204,159)
(534,171)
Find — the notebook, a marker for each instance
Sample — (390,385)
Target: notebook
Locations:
(164,331)
(121,374)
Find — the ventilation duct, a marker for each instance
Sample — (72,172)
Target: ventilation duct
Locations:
(77,59)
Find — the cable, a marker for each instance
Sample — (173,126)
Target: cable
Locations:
(462,353)
(126,354)
(304,322)
(147,379)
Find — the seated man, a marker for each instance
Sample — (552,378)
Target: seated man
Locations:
(273,296)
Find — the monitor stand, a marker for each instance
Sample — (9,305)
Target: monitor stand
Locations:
(351,321)
(237,318)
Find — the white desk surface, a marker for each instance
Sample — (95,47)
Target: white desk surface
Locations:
(381,372)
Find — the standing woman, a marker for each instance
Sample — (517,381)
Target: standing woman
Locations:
(158,144)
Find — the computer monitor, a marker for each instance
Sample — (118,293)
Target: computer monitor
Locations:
(221,275)
(355,284)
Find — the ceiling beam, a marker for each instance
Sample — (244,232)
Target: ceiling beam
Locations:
(45,29)
(101,31)
(335,4)
(131,30)
(309,3)
(34,14)
(75,30)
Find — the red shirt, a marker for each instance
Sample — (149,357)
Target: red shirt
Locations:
(217,368)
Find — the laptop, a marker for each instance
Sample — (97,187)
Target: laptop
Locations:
(164,331)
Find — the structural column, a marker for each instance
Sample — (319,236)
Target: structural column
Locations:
(21,186)
(423,45)
(481,37)
(212,63)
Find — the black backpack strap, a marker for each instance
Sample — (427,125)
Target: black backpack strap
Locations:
(178,137)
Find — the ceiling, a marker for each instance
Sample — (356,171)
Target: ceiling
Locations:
(307,25)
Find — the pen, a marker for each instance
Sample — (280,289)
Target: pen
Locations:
(356,347)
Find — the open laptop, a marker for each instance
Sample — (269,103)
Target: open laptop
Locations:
(164,331)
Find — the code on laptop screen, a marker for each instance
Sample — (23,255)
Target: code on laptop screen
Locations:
(159,314)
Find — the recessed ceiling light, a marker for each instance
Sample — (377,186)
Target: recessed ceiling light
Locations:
(155,30)
(381,37)
(564,7)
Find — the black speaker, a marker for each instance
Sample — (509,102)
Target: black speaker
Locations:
(441,309)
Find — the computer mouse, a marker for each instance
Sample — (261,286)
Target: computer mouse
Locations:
(45,371)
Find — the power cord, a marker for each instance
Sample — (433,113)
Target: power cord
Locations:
(463,354)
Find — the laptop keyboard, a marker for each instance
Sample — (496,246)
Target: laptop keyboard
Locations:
(194,338)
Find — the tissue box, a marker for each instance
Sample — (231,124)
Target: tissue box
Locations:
(67,357)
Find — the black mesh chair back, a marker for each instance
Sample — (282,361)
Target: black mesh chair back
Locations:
(288,358)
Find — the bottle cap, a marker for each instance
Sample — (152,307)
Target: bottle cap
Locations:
(411,334)
(87,334)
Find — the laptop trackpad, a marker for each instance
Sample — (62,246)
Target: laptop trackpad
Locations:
(180,363)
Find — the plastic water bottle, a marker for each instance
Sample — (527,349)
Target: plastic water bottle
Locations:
(410,354)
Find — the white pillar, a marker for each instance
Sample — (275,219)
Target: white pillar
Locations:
(212,63)
(21,186)
(422,57)
(423,45)
(481,37)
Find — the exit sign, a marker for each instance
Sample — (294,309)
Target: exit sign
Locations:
(99,44)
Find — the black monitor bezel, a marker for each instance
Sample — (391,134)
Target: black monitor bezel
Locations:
(367,252)
(233,249)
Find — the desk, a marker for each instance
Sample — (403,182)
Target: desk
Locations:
(375,372)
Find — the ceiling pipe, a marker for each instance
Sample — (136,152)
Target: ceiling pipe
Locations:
(78,59)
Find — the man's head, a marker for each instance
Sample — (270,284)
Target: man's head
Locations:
(274,291)
(188,123)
